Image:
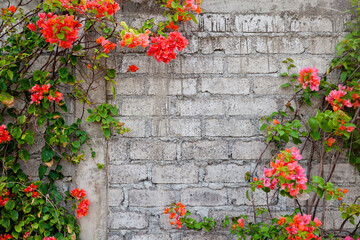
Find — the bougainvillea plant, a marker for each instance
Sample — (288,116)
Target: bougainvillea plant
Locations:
(331,136)
(41,50)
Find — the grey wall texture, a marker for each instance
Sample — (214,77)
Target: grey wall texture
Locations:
(195,122)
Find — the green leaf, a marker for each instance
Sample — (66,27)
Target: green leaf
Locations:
(107,133)
(7,99)
(63,72)
(91,118)
(40,121)
(193,18)
(263,127)
(315,135)
(354,3)
(76,144)
(114,111)
(9,205)
(21,119)
(16,133)
(47,154)
(77,48)
(313,124)
(285,85)
(42,171)
(24,155)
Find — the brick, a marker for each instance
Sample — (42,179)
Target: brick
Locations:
(175,173)
(128,86)
(252,106)
(226,173)
(225,85)
(249,150)
(333,220)
(237,197)
(172,86)
(200,64)
(133,173)
(148,106)
(150,198)
(270,86)
(205,237)
(137,127)
(197,107)
(205,149)
(301,61)
(215,23)
(115,197)
(322,45)
(117,150)
(152,237)
(311,24)
(279,45)
(153,150)
(231,127)
(259,23)
(127,220)
(260,64)
(176,127)
(228,45)
(344,173)
(204,197)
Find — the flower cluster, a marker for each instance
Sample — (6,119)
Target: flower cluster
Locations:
(4,200)
(350,238)
(32,188)
(62,30)
(239,224)
(106,44)
(193,5)
(300,227)
(162,49)
(285,172)
(50,238)
(309,76)
(4,134)
(5,236)
(338,193)
(132,68)
(11,9)
(132,40)
(84,203)
(78,194)
(38,94)
(99,7)
(177,211)
(343,98)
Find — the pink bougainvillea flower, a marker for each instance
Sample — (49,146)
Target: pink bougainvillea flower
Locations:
(309,76)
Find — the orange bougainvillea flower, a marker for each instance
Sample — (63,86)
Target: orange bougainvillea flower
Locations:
(132,68)
(166,210)
(276,122)
(331,141)
(12,9)
(345,190)
(172,215)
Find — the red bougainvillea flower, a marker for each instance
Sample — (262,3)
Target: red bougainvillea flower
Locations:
(241,222)
(99,7)
(78,194)
(83,208)
(38,94)
(26,235)
(32,188)
(171,25)
(162,49)
(4,134)
(3,201)
(31,26)
(330,141)
(132,68)
(50,238)
(12,9)
(300,227)
(309,76)
(62,30)
(5,236)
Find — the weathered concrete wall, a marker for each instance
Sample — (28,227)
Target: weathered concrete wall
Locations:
(195,121)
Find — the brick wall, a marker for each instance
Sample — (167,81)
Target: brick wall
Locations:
(195,122)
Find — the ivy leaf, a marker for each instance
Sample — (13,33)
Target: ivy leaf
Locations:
(42,171)
(9,205)
(76,144)
(47,154)
(24,155)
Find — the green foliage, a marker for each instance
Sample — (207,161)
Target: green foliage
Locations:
(105,114)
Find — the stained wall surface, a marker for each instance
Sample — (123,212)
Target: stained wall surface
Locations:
(195,122)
